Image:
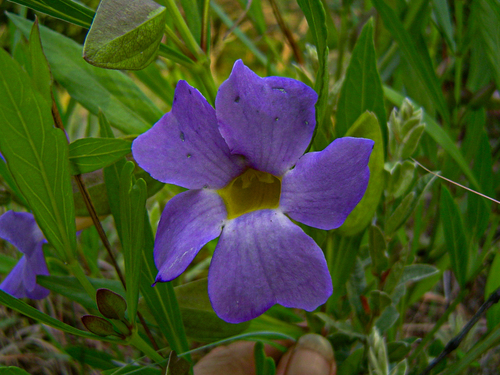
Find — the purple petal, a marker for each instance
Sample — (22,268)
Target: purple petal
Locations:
(262,258)
(21,230)
(185,147)
(14,282)
(21,281)
(268,120)
(324,187)
(188,222)
(35,265)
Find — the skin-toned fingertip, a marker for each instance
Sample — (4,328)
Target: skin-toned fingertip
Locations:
(313,354)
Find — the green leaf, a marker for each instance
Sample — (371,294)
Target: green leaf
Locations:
(125,34)
(110,304)
(377,247)
(401,178)
(263,365)
(408,204)
(454,233)
(443,18)
(410,142)
(200,320)
(479,208)
(439,135)
(95,358)
(39,67)
(416,272)
(132,212)
(37,156)
(11,370)
(366,126)
(127,108)
(316,20)
(492,284)
(25,309)
(70,287)
(192,11)
(98,325)
(102,199)
(421,65)
(362,88)
(66,10)
(489,14)
(90,154)
(160,298)
(387,319)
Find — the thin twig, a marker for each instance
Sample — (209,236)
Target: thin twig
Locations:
(457,184)
(455,342)
(286,31)
(238,21)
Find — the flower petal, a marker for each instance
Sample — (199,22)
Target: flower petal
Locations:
(185,147)
(21,230)
(14,282)
(262,258)
(324,187)
(268,120)
(35,265)
(188,222)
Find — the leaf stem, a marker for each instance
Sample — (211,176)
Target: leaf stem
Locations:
(137,341)
(183,28)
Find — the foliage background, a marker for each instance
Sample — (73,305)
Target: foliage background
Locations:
(416,261)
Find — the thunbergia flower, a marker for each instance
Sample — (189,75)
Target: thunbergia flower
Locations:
(247,177)
(21,230)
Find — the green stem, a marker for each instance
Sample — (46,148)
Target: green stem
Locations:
(137,341)
(179,43)
(208,81)
(183,28)
(77,270)
(205,26)
(458,58)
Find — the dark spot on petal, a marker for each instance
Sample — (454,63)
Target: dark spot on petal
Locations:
(276,118)
(280,89)
(306,122)
(188,155)
(183,138)
(205,186)
(189,92)
(237,99)
(175,98)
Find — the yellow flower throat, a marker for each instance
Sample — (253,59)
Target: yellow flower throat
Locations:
(251,191)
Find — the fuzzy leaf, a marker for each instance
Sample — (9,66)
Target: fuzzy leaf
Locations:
(110,304)
(125,34)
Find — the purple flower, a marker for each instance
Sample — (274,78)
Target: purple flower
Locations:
(21,230)
(244,165)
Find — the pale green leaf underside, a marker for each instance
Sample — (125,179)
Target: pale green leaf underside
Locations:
(125,34)
(126,107)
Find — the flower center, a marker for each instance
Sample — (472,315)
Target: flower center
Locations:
(251,191)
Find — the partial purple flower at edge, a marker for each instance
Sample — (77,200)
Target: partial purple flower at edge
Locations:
(21,230)
(244,165)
